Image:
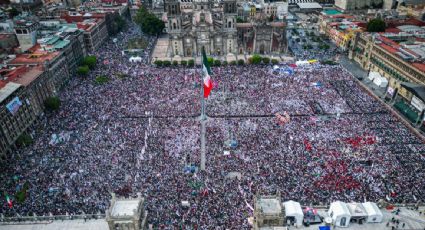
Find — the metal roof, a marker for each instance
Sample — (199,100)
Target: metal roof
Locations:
(8,89)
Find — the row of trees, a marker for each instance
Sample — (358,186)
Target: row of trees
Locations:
(86,65)
(148,22)
(255,59)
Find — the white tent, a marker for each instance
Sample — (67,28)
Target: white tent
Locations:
(340,214)
(357,212)
(374,214)
(135,59)
(380,81)
(298,63)
(373,75)
(293,210)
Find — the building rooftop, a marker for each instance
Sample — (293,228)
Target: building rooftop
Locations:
(270,206)
(38,56)
(8,89)
(309,5)
(125,208)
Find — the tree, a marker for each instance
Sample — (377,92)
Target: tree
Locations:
(158,63)
(191,63)
(118,24)
(13,12)
(148,22)
(376,25)
(83,70)
(175,63)
(275,61)
(233,62)
(255,59)
(266,60)
(210,61)
(241,62)
(239,20)
(217,63)
(183,62)
(24,140)
(52,103)
(90,61)
(224,63)
(101,79)
(166,63)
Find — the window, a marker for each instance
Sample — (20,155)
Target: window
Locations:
(174,25)
(229,25)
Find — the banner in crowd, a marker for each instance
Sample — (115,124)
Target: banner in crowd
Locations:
(14,105)
(390,91)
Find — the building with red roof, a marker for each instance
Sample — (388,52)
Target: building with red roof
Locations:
(23,90)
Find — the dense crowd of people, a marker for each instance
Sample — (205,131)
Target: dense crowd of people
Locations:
(140,132)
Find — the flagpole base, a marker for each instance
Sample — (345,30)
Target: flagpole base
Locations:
(203,118)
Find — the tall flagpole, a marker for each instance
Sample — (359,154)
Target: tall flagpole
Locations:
(203,117)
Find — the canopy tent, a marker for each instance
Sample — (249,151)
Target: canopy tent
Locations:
(340,214)
(357,212)
(293,211)
(135,59)
(381,82)
(374,214)
(298,63)
(373,75)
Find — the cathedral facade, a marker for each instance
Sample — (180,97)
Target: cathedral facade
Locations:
(192,25)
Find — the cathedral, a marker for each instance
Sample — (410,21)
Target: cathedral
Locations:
(192,25)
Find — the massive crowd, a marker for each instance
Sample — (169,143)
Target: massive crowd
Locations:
(140,132)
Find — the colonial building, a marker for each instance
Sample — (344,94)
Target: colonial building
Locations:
(204,23)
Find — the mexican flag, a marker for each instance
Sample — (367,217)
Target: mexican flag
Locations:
(9,201)
(207,72)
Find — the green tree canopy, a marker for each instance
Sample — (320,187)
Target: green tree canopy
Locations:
(118,24)
(191,63)
(255,59)
(83,70)
(13,12)
(52,103)
(90,61)
(148,22)
(376,25)
(24,140)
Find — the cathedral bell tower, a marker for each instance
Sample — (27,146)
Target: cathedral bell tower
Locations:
(229,26)
(173,25)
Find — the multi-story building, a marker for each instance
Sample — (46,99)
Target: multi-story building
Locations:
(340,28)
(399,57)
(23,91)
(95,33)
(53,62)
(358,4)
(8,43)
(95,30)
(294,2)
(26,32)
(215,28)
(67,38)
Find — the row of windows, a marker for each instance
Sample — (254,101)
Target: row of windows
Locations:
(400,65)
